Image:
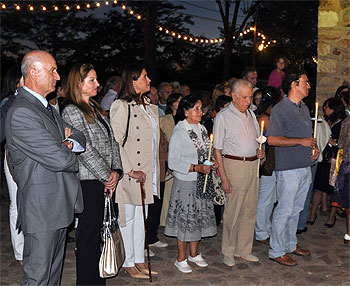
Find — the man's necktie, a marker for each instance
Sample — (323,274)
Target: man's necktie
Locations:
(50,109)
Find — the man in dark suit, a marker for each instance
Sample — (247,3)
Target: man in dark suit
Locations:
(41,148)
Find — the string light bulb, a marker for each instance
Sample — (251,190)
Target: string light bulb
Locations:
(3,6)
(18,7)
(179,36)
(115,1)
(55,8)
(138,17)
(98,4)
(31,8)
(78,7)
(160,29)
(88,5)
(44,8)
(107,3)
(123,7)
(131,12)
(261,47)
(67,7)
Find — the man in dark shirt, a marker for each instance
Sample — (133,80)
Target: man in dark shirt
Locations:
(290,130)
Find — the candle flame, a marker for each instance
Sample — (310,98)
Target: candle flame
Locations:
(211,136)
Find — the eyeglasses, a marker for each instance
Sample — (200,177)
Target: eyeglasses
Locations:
(306,82)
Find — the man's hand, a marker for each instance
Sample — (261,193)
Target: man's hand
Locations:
(315,152)
(68,144)
(260,153)
(226,185)
(205,169)
(308,142)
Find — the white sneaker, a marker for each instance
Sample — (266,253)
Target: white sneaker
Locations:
(159,244)
(183,266)
(151,253)
(198,260)
(248,257)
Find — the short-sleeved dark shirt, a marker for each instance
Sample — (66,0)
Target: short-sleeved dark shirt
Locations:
(293,121)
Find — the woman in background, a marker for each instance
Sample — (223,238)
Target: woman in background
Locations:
(277,75)
(100,168)
(340,197)
(334,113)
(12,82)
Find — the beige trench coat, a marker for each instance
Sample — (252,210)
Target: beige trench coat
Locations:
(136,154)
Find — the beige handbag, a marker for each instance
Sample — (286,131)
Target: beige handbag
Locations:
(113,253)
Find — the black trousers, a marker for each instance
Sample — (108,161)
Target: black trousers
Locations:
(153,218)
(88,234)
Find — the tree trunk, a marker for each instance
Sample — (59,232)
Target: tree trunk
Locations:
(227,58)
(150,39)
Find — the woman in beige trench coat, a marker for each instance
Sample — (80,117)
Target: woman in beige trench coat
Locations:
(139,144)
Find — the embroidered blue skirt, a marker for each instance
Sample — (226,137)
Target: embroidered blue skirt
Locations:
(189,218)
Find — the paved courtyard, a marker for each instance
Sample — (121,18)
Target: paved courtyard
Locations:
(329,263)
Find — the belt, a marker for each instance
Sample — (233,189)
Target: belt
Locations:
(241,158)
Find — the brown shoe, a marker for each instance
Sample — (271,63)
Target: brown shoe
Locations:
(265,241)
(301,252)
(285,260)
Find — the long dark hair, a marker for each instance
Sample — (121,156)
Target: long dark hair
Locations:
(127,92)
(169,103)
(11,79)
(186,103)
(338,109)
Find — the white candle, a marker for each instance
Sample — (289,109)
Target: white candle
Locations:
(316,115)
(206,176)
(260,145)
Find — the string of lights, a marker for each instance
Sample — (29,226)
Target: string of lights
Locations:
(197,40)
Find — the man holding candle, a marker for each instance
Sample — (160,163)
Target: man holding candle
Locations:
(290,130)
(235,132)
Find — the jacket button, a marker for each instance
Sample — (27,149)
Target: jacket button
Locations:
(135,115)
(138,139)
(138,164)
(138,152)
(137,127)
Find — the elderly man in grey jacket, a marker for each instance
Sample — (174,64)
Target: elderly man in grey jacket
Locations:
(42,148)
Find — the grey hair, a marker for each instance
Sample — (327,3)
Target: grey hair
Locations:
(31,58)
(238,84)
(162,85)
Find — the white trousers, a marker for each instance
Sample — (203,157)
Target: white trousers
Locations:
(16,238)
(133,235)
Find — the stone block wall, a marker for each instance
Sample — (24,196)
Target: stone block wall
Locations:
(333,68)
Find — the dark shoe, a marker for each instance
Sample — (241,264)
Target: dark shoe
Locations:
(331,225)
(299,231)
(285,260)
(301,252)
(311,222)
(265,241)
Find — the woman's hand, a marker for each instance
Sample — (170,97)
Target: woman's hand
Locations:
(112,182)
(138,175)
(205,169)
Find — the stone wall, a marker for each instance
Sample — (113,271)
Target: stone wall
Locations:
(333,47)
